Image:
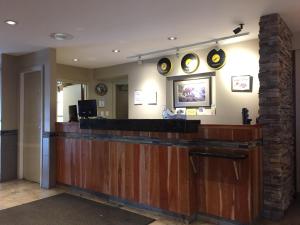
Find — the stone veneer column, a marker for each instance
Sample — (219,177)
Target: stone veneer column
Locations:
(276,101)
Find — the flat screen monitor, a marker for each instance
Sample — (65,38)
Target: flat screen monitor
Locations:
(87,108)
(73,117)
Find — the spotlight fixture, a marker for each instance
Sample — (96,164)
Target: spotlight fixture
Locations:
(238,29)
(177,52)
(75,60)
(217,47)
(116,50)
(11,22)
(172,38)
(140,61)
(61,36)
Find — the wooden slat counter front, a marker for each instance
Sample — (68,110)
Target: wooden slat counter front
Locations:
(157,169)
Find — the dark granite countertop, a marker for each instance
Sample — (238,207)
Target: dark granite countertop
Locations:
(153,125)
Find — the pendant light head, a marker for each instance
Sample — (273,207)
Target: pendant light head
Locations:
(217,47)
(177,52)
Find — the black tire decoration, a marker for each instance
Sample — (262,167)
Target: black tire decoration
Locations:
(216,59)
(101,89)
(190,63)
(164,66)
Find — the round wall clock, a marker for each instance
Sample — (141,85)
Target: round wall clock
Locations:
(101,89)
(216,58)
(190,63)
(164,66)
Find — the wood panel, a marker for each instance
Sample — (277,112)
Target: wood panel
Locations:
(162,176)
(221,193)
(154,175)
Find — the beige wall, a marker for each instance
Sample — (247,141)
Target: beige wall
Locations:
(12,67)
(9,93)
(242,59)
(73,74)
(109,110)
(296,46)
(47,59)
(296,40)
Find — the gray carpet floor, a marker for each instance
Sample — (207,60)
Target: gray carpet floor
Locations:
(65,209)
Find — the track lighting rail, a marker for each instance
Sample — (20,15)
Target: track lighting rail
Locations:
(176,49)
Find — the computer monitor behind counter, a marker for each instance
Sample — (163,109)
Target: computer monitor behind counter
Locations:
(87,108)
(73,117)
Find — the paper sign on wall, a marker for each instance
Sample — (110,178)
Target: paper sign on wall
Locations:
(191,112)
(138,98)
(152,98)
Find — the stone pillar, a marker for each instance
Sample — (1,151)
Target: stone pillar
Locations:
(276,101)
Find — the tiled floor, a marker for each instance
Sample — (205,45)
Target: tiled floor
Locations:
(20,192)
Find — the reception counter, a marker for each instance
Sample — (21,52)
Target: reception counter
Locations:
(212,171)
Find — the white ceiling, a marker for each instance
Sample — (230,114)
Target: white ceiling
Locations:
(133,26)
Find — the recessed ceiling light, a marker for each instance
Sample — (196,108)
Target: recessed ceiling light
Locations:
(116,50)
(11,22)
(172,38)
(61,36)
(75,60)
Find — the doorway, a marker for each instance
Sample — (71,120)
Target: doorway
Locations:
(122,101)
(68,93)
(31,126)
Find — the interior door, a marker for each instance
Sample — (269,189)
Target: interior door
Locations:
(121,101)
(32,108)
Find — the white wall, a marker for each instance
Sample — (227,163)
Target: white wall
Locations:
(242,59)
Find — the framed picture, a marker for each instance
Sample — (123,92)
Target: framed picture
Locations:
(241,83)
(192,93)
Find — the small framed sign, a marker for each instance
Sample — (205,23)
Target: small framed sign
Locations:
(241,83)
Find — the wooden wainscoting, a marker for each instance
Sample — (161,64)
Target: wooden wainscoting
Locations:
(153,175)
(162,174)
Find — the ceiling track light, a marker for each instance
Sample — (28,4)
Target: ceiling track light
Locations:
(163,51)
(217,47)
(239,29)
(116,50)
(177,52)
(140,61)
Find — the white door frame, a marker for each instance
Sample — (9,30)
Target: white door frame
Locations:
(21,121)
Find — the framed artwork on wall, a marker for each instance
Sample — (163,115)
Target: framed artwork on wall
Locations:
(192,93)
(241,83)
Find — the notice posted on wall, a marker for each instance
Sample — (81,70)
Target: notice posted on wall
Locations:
(138,97)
